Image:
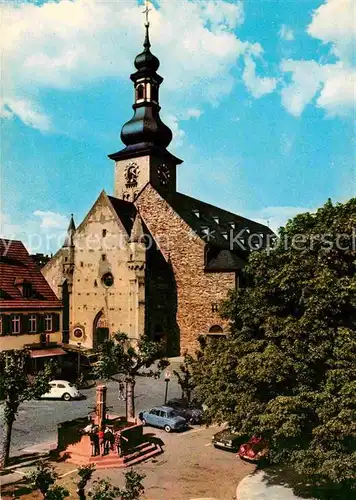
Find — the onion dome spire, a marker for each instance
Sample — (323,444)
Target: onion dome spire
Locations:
(146,126)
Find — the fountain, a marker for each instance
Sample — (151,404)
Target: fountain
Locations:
(127,447)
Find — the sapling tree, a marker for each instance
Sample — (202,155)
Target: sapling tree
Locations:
(17,386)
(119,360)
(185,377)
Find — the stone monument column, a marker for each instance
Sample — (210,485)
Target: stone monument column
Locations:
(101,405)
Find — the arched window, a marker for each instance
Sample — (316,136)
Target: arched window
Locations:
(215,333)
(216,330)
(140,92)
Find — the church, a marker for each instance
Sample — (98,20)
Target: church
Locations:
(149,260)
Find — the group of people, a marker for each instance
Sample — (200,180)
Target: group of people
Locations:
(102,441)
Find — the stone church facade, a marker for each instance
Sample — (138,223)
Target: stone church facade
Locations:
(149,260)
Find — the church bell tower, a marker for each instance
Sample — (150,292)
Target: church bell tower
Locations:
(145,159)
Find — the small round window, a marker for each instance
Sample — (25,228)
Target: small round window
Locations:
(108,279)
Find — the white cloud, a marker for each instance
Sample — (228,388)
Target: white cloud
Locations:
(338,96)
(194,113)
(178,133)
(286,33)
(52,220)
(331,87)
(306,81)
(26,111)
(66,45)
(256,85)
(335,22)
(277,216)
(43,232)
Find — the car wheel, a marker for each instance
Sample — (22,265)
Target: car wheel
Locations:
(143,421)
(167,428)
(66,396)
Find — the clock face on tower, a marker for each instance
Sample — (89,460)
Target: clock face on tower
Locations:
(164,174)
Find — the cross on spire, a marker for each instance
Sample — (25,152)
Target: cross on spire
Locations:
(146,12)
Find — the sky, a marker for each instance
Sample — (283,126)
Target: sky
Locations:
(260,95)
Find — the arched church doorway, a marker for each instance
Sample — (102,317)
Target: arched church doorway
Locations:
(158,334)
(100,329)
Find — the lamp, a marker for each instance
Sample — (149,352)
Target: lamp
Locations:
(167,378)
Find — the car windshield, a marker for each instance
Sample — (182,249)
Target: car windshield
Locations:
(69,384)
(171,414)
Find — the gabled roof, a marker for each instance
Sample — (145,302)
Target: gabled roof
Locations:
(215,226)
(126,211)
(16,268)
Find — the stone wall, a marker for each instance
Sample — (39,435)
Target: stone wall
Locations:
(197,291)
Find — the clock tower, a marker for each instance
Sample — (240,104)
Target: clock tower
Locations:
(145,159)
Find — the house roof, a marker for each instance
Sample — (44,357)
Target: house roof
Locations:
(229,237)
(218,227)
(18,268)
(126,211)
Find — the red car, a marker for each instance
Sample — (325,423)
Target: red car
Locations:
(255,449)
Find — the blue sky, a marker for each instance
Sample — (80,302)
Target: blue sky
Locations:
(260,95)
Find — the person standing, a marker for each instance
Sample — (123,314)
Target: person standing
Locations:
(101,442)
(108,440)
(94,441)
(117,442)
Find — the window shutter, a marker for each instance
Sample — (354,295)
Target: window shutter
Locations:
(55,322)
(6,324)
(40,323)
(23,323)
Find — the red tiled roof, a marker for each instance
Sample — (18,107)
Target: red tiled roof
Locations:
(16,265)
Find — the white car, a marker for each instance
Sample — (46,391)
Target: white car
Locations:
(62,389)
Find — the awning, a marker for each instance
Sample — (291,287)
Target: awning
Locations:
(47,353)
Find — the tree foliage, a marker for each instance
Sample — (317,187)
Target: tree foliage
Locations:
(287,370)
(104,490)
(185,377)
(42,478)
(85,473)
(16,386)
(119,360)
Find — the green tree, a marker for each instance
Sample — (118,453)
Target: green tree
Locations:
(57,492)
(185,377)
(119,360)
(103,489)
(85,473)
(42,478)
(16,386)
(287,370)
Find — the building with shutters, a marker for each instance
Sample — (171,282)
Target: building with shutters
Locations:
(30,312)
(150,260)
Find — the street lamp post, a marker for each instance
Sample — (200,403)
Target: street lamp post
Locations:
(167,377)
(78,374)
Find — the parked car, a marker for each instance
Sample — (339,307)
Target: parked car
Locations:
(89,360)
(62,389)
(163,417)
(254,450)
(190,411)
(227,439)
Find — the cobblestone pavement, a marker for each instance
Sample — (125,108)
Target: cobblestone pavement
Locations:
(37,420)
